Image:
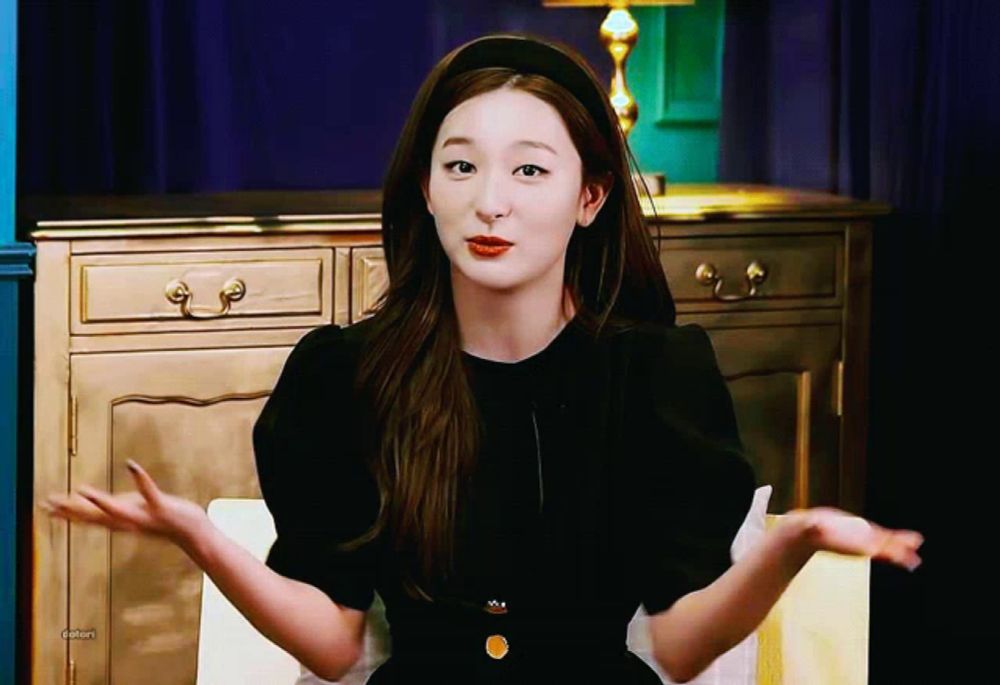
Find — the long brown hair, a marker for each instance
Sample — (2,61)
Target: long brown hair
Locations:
(424,428)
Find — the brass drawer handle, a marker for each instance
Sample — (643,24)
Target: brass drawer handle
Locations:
(707,274)
(179,293)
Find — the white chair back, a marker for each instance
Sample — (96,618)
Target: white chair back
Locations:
(230,650)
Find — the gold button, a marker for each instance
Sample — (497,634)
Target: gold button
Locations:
(496,646)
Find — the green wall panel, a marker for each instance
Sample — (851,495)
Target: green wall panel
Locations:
(675,73)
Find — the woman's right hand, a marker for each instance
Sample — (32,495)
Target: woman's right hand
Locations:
(150,510)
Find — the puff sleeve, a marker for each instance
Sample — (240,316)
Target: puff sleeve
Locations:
(311,473)
(699,485)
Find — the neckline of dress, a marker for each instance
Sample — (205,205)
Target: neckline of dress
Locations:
(530,361)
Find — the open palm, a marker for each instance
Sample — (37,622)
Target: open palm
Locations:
(148,510)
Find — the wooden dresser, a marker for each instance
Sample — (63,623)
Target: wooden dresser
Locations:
(161,324)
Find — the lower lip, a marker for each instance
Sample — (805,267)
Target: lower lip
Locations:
(488,250)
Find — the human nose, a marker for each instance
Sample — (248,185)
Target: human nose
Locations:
(491,202)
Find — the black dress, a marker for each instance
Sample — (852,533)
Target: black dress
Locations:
(611,474)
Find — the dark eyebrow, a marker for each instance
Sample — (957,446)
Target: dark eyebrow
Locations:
(461,140)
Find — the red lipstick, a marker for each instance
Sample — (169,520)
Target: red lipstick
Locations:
(488,245)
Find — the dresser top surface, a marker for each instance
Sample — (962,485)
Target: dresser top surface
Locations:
(54,217)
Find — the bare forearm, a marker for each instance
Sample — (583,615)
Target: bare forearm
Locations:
(703,625)
(299,618)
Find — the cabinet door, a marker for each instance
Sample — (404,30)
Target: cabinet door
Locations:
(187,417)
(784,383)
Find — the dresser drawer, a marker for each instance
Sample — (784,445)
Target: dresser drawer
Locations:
(755,272)
(189,291)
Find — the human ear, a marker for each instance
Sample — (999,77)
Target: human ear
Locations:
(593,198)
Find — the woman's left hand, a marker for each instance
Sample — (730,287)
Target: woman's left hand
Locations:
(834,530)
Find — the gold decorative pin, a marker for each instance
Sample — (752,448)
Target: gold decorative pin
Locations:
(495,606)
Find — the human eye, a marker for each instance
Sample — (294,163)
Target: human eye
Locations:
(451,165)
(541,171)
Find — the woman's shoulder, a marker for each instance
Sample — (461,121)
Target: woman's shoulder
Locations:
(667,363)
(654,339)
(315,381)
(356,334)
(331,343)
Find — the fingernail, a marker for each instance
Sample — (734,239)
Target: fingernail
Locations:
(131,465)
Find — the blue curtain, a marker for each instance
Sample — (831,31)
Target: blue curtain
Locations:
(157,96)
(182,96)
(899,101)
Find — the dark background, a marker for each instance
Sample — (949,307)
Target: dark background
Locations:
(890,100)
(907,93)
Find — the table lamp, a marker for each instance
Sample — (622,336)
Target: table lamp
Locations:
(619,33)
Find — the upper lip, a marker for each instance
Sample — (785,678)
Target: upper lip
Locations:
(489,240)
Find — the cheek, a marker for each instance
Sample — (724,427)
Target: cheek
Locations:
(556,212)
(447,199)
(561,201)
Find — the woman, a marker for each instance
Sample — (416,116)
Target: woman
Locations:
(527,446)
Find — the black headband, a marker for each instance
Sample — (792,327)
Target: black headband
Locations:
(534,55)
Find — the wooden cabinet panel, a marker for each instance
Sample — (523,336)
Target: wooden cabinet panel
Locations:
(187,417)
(785,384)
(220,290)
